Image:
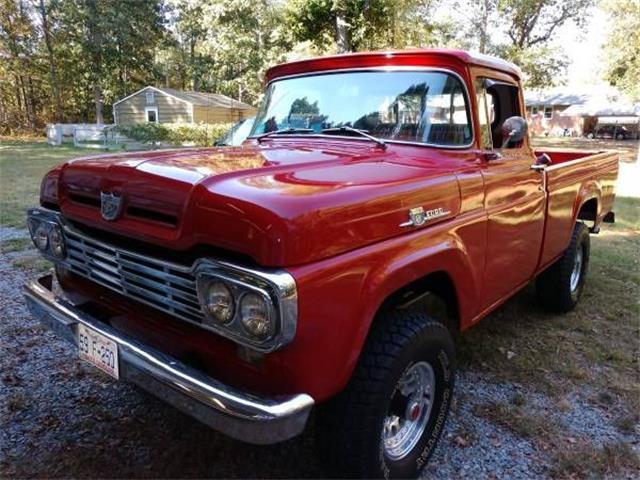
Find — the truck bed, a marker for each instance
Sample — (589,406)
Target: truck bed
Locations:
(579,184)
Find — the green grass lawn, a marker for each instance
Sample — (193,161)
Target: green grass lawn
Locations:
(593,351)
(22,166)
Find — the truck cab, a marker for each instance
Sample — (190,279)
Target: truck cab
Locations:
(251,285)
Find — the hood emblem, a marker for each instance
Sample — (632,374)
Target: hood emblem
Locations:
(419,216)
(110,205)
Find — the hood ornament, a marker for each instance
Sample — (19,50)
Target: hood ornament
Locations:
(419,216)
(110,205)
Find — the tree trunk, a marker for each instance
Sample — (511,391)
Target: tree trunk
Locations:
(192,61)
(53,70)
(94,36)
(28,103)
(342,34)
(97,98)
(484,34)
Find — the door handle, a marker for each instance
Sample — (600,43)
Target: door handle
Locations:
(492,156)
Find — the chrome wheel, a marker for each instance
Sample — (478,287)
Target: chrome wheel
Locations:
(576,273)
(409,412)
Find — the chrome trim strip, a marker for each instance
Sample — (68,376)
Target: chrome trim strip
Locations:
(401,68)
(236,413)
(108,266)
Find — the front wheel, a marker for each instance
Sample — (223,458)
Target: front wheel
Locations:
(387,421)
(560,286)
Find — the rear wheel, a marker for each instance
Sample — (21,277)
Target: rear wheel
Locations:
(387,421)
(560,287)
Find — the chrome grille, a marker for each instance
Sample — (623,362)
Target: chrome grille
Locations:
(168,287)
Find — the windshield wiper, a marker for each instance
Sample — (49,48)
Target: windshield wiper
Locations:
(355,130)
(284,131)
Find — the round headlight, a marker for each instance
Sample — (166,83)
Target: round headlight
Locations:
(254,314)
(56,241)
(218,302)
(41,237)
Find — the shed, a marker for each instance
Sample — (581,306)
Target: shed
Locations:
(166,105)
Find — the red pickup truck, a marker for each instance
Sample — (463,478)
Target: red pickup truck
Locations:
(381,201)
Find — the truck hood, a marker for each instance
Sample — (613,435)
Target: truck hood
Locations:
(283,204)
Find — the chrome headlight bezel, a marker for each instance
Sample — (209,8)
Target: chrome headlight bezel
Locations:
(277,289)
(41,222)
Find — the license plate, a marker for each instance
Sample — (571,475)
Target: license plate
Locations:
(98,350)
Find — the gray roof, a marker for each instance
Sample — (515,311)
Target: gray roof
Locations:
(571,95)
(206,99)
(542,98)
(595,109)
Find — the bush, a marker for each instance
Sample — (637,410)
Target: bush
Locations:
(201,134)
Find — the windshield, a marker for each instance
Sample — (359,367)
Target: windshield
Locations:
(237,134)
(416,106)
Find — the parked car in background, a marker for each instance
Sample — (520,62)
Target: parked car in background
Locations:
(617,132)
(250,287)
(237,134)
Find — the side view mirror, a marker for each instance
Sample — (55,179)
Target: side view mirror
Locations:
(514,129)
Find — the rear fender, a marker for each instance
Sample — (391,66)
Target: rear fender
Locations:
(589,190)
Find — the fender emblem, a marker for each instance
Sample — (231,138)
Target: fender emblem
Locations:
(419,216)
(110,205)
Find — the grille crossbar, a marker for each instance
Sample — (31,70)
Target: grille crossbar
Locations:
(167,287)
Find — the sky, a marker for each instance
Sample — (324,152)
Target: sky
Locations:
(585,50)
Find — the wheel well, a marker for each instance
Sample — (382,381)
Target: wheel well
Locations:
(434,294)
(589,210)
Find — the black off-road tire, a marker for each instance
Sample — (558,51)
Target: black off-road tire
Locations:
(554,285)
(349,428)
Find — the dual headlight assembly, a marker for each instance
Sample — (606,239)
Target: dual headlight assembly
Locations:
(240,307)
(47,236)
(255,308)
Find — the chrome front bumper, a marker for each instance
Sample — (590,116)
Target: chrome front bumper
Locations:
(233,412)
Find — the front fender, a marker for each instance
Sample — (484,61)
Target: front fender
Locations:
(339,298)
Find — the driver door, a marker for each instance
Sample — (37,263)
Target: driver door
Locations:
(514,195)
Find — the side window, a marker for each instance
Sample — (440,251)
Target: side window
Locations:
(486,113)
(500,102)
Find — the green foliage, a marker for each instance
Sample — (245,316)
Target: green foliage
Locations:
(223,46)
(355,25)
(528,28)
(203,134)
(69,60)
(542,66)
(623,43)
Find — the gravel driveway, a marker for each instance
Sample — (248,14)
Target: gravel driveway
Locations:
(61,418)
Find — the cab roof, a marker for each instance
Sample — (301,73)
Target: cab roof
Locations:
(432,57)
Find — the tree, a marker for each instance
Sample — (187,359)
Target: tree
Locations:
(225,48)
(529,28)
(355,25)
(534,22)
(45,18)
(111,46)
(18,47)
(622,46)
